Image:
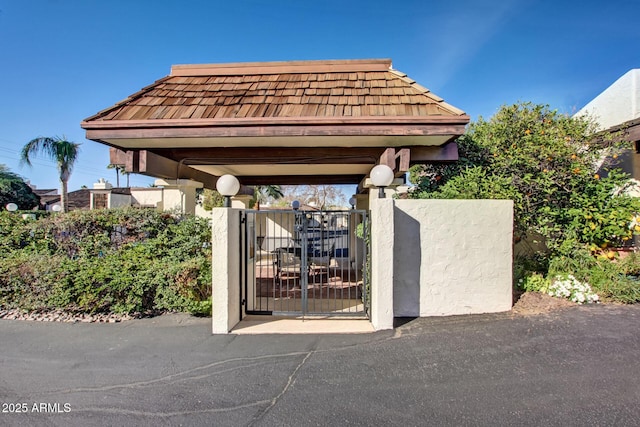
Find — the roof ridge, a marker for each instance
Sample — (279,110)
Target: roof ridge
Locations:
(280,67)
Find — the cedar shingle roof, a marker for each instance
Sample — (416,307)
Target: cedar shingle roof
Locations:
(298,122)
(303,89)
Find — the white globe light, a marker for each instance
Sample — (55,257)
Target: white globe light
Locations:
(11,207)
(295,205)
(381,176)
(352,201)
(56,208)
(228,185)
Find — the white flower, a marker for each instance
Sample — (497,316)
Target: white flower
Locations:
(572,289)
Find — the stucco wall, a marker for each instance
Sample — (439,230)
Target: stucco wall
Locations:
(119,200)
(452,257)
(147,196)
(226,277)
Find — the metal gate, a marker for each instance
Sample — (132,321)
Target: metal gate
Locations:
(305,262)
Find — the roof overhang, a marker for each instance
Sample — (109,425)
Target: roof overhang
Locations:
(161,137)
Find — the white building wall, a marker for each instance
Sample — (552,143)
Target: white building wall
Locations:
(617,104)
(452,257)
(119,200)
(147,197)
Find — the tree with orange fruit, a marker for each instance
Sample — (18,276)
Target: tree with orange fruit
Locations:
(551,165)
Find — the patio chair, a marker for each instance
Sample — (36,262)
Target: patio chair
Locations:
(287,263)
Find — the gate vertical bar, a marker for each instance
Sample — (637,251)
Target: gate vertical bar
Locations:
(304,273)
(243,261)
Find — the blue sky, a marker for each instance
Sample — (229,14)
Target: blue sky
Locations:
(65,60)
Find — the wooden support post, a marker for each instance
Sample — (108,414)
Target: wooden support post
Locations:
(398,161)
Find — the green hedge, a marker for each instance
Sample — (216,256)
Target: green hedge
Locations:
(106,261)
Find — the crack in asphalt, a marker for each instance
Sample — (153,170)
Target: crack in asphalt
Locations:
(270,403)
(290,382)
(176,377)
(117,411)
(196,373)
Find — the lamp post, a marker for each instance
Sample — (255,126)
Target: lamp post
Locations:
(352,202)
(228,186)
(381,177)
(295,205)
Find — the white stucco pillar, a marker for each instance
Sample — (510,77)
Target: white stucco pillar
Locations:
(179,194)
(241,201)
(382,262)
(226,269)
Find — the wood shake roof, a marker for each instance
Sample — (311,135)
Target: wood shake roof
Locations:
(279,122)
(279,90)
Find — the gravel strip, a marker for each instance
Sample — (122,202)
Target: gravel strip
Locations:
(64,316)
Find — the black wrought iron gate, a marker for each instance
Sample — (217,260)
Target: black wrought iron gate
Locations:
(305,262)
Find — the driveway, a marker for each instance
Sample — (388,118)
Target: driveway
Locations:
(577,366)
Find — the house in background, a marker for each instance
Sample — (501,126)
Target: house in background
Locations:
(178,196)
(617,111)
(78,199)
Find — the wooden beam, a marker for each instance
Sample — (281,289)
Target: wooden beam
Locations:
(300,179)
(403,156)
(117,156)
(388,157)
(446,153)
(272,155)
(303,155)
(633,133)
(398,161)
(160,167)
(129,159)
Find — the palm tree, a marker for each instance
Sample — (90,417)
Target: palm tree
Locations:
(120,170)
(263,192)
(63,152)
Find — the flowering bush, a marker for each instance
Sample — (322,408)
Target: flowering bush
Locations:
(573,289)
(551,165)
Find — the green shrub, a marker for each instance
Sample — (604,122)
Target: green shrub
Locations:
(613,280)
(534,282)
(118,261)
(546,163)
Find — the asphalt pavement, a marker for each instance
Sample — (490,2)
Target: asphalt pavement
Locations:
(574,367)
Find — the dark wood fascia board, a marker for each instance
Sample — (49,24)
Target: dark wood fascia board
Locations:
(275,121)
(633,132)
(452,130)
(628,131)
